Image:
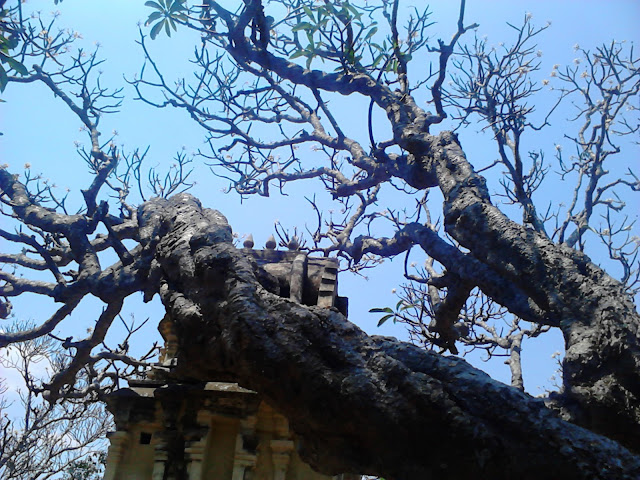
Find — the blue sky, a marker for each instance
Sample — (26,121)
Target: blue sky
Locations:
(39,130)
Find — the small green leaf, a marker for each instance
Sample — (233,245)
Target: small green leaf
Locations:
(356,13)
(377,60)
(153,5)
(13,63)
(297,54)
(308,11)
(17,66)
(381,310)
(177,6)
(370,34)
(156,29)
(329,8)
(384,319)
(3,79)
(167,28)
(12,42)
(303,26)
(153,17)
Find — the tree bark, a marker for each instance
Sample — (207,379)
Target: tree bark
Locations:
(359,403)
(598,319)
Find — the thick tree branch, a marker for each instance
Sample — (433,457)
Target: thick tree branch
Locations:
(359,403)
(550,275)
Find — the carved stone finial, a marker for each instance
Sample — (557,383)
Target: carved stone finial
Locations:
(248,242)
(271,243)
(293,243)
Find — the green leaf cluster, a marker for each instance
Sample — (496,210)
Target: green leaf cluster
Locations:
(389,312)
(321,20)
(165,14)
(8,41)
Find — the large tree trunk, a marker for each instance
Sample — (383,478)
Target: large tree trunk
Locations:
(598,319)
(359,403)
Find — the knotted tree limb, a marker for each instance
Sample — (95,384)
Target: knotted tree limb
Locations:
(359,403)
(600,324)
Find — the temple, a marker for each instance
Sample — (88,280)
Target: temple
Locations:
(168,429)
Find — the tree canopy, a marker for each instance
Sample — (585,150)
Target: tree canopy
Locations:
(267,77)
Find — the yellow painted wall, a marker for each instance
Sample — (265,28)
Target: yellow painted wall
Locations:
(137,462)
(220,451)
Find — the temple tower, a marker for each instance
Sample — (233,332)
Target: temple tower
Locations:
(173,430)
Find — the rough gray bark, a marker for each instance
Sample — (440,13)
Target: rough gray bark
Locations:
(598,319)
(359,403)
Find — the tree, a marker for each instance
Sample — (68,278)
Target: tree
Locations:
(89,468)
(47,438)
(359,403)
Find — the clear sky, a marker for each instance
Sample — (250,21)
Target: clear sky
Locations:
(39,130)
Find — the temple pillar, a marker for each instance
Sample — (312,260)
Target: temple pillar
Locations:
(118,443)
(194,453)
(245,457)
(297,277)
(196,444)
(160,455)
(281,455)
